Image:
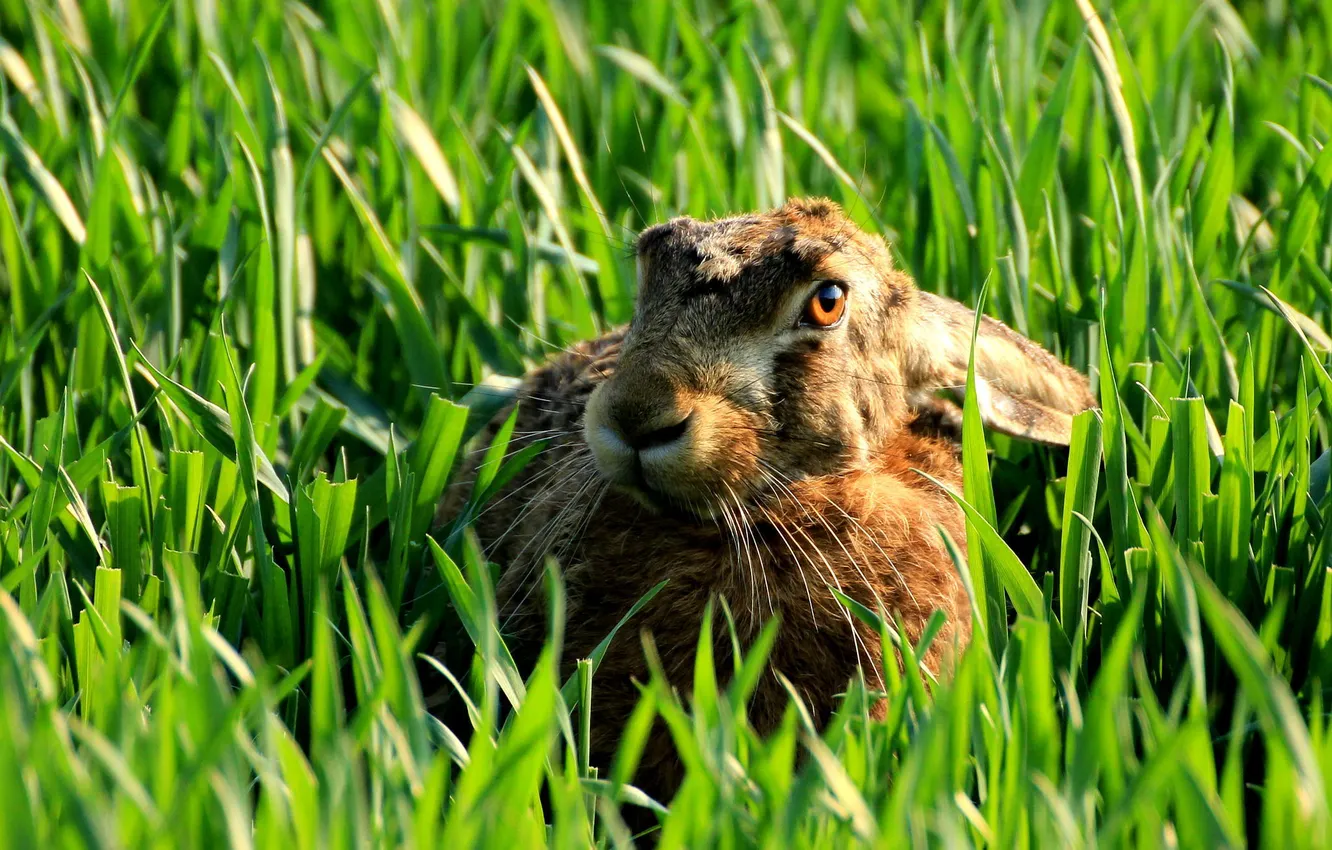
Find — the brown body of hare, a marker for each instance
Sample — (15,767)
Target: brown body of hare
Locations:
(755,434)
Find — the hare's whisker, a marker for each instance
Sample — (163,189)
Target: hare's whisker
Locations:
(865,532)
(552,526)
(861,649)
(832,572)
(813,617)
(468,518)
(721,519)
(501,392)
(535,501)
(552,347)
(790,539)
(743,567)
(577,536)
(517,438)
(856,564)
(542,476)
(546,534)
(741,551)
(858,526)
(748,537)
(555,479)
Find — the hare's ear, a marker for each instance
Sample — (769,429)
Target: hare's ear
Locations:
(1023,391)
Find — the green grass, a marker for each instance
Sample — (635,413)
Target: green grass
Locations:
(254,257)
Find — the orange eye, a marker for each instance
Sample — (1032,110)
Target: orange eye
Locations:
(825,308)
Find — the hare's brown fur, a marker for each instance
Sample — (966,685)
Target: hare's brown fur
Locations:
(797,469)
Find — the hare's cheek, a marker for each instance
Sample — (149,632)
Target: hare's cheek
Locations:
(727,446)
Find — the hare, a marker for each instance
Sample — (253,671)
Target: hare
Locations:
(755,433)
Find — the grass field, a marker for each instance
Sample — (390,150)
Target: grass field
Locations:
(255,256)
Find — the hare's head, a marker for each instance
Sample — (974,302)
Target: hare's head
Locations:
(768,348)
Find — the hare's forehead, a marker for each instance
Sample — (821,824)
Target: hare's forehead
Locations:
(735,253)
(726,248)
(725,288)
(733,250)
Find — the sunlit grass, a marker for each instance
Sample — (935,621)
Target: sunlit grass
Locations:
(257,260)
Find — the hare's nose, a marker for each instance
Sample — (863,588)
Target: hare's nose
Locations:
(641,434)
(657,429)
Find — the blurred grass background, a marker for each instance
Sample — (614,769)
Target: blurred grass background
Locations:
(256,258)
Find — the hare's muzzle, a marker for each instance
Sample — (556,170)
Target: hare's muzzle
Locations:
(664,444)
(637,436)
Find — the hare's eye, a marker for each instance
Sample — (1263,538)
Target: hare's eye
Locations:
(825,307)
